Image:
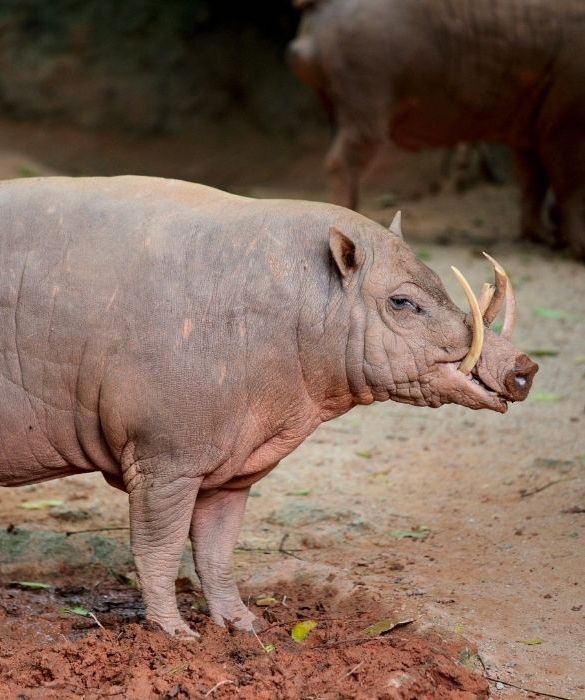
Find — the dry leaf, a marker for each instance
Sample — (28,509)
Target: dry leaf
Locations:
(383,626)
(302,630)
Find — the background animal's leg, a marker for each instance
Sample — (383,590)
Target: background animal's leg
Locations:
(533,185)
(217,519)
(351,152)
(160,515)
(565,160)
(572,215)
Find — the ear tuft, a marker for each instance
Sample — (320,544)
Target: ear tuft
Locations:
(343,250)
(396,225)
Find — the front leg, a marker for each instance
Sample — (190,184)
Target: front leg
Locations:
(161,508)
(217,519)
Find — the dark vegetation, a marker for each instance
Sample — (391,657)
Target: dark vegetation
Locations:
(151,66)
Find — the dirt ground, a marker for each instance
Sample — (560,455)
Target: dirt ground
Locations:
(471,524)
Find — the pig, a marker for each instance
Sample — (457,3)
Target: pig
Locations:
(432,73)
(181,341)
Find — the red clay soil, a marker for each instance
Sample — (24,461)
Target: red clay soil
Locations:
(48,653)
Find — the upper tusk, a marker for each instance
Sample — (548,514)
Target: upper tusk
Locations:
(510,317)
(497,301)
(487,293)
(470,360)
(507,294)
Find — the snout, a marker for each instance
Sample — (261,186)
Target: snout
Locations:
(518,380)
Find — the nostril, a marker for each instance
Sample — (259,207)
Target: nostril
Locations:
(518,384)
(520,381)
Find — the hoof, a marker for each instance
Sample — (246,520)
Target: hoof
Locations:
(242,620)
(178,629)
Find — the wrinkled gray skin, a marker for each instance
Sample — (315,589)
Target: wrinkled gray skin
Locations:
(430,73)
(182,341)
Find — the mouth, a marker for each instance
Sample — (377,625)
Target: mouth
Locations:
(477,393)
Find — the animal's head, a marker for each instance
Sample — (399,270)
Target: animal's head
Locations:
(409,342)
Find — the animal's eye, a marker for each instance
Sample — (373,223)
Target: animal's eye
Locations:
(400,303)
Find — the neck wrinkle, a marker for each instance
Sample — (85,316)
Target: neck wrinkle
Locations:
(322,357)
(360,390)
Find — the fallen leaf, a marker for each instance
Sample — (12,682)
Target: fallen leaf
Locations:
(417,534)
(40,505)
(269,648)
(200,605)
(26,171)
(266,601)
(31,585)
(298,493)
(177,669)
(553,463)
(364,453)
(383,626)
(77,610)
(531,642)
(378,475)
(545,396)
(541,312)
(302,630)
(543,352)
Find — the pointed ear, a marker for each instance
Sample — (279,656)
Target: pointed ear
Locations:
(396,225)
(345,252)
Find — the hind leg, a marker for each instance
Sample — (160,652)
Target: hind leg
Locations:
(362,127)
(350,154)
(572,215)
(565,160)
(533,185)
(214,532)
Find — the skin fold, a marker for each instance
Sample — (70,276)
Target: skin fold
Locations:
(433,73)
(182,341)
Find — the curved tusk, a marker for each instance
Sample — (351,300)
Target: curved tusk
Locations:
(486,296)
(510,317)
(508,296)
(499,296)
(470,360)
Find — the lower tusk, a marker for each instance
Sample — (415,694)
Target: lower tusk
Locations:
(470,360)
